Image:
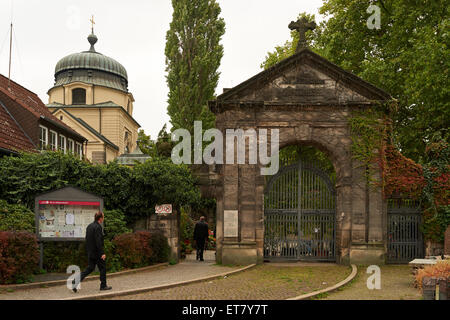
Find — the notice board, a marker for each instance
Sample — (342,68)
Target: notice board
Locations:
(64,214)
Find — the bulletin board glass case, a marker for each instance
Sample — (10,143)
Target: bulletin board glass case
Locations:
(63,215)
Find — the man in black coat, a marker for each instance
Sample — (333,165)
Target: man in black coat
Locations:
(95,251)
(201,236)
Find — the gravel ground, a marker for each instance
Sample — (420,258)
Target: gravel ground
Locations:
(396,284)
(263,282)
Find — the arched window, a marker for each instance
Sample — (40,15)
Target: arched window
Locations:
(78,96)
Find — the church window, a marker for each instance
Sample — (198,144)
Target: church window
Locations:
(78,96)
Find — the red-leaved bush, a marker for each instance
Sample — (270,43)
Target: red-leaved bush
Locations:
(440,270)
(134,249)
(19,256)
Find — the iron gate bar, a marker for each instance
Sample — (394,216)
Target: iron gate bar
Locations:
(405,240)
(300,214)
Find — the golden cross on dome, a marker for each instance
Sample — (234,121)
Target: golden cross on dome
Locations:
(92,22)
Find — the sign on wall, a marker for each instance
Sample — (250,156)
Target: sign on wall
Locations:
(230,223)
(65,219)
(163,209)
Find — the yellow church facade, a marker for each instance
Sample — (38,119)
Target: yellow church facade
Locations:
(91,95)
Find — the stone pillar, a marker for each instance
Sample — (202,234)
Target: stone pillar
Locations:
(219,223)
(367,245)
(259,216)
(343,219)
(169,227)
(358,214)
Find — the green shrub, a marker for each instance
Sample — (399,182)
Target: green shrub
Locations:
(19,256)
(113,262)
(160,247)
(16,217)
(59,255)
(186,225)
(115,224)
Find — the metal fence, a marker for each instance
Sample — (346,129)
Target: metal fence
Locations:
(405,241)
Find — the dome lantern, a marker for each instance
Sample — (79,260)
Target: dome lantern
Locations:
(92,40)
(91,67)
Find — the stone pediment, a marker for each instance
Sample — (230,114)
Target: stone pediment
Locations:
(305,78)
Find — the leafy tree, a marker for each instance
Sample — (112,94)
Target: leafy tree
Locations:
(407,57)
(193,54)
(164,143)
(159,181)
(146,144)
(161,148)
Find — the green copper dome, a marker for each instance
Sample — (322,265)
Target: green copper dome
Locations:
(92,67)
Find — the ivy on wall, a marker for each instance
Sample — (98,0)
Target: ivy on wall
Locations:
(368,134)
(429,182)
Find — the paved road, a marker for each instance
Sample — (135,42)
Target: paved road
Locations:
(187,270)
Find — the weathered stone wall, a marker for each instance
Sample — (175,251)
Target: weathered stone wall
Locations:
(360,210)
(168,225)
(309,100)
(434,248)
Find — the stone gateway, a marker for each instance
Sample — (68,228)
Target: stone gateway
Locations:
(309,100)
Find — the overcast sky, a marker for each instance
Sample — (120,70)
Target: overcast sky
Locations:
(133,32)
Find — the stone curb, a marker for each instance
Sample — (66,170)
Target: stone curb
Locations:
(164,286)
(90,278)
(332,288)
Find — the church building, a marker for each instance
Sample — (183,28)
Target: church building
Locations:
(91,95)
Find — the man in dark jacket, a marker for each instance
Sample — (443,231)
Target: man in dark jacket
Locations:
(95,251)
(200,237)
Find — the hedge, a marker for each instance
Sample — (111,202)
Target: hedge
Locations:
(16,217)
(19,256)
(134,191)
(141,248)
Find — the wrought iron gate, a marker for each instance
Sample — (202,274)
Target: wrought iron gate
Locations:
(299,214)
(404,236)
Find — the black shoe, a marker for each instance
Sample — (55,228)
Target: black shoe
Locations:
(106,288)
(74,288)
(202,259)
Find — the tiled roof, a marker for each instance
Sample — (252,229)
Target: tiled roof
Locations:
(12,137)
(30,101)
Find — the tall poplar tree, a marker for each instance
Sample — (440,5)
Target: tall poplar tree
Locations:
(193,54)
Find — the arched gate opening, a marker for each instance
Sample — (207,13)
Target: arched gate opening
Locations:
(300,212)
